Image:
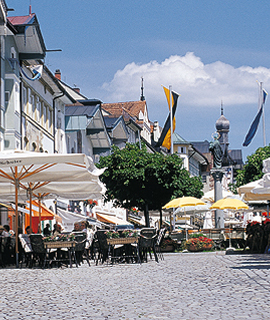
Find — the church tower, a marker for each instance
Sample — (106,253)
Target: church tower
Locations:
(223,128)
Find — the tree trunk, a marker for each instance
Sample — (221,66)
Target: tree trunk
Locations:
(160,218)
(146,216)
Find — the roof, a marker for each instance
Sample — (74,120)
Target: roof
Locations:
(28,36)
(131,108)
(80,110)
(201,146)
(177,139)
(110,122)
(19,20)
(236,156)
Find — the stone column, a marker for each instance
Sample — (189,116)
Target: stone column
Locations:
(217,174)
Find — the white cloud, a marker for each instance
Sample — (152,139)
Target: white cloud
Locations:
(199,84)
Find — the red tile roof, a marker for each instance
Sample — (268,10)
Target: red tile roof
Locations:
(131,108)
(21,19)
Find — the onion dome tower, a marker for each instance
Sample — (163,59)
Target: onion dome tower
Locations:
(223,128)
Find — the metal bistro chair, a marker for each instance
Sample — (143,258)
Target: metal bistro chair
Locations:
(37,244)
(159,241)
(80,251)
(103,247)
(25,250)
(147,241)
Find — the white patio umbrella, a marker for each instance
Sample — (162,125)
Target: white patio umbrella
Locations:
(40,169)
(210,195)
(248,193)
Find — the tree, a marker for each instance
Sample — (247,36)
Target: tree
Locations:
(136,178)
(252,169)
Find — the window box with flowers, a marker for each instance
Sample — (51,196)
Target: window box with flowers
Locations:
(92,203)
(199,242)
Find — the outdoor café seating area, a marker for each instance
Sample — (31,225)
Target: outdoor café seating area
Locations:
(72,249)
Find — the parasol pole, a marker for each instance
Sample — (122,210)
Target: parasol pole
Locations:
(171,118)
(186,224)
(30,206)
(16,180)
(39,213)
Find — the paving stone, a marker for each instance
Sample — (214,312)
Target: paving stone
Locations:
(183,286)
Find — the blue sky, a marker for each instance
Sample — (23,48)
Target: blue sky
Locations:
(207,50)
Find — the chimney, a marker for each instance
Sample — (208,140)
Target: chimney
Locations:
(156,131)
(77,90)
(57,74)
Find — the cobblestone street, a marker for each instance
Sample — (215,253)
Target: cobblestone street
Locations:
(183,286)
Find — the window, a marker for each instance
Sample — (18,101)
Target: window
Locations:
(24,99)
(32,99)
(7,96)
(38,111)
(50,116)
(12,53)
(181,149)
(44,116)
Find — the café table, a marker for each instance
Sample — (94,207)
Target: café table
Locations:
(127,250)
(58,245)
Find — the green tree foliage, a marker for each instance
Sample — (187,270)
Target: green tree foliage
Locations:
(252,169)
(136,178)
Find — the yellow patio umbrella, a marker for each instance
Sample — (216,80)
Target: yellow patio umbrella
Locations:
(229,203)
(183,202)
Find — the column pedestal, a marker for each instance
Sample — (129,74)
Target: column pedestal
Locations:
(217,175)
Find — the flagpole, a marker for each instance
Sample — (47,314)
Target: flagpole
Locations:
(171,118)
(263,117)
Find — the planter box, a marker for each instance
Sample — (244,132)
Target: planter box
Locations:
(59,244)
(169,248)
(122,240)
(195,249)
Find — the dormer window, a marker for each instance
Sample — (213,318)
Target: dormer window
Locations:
(12,53)
(140,115)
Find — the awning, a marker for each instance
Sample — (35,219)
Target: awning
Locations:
(136,221)
(46,213)
(5,205)
(111,219)
(69,218)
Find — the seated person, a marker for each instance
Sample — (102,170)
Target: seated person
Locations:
(84,225)
(77,227)
(58,230)
(46,230)
(28,230)
(3,232)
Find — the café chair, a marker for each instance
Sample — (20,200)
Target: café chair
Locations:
(25,250)
(80,251)
(159,241)
(103,247)
(147,241)
(39,252)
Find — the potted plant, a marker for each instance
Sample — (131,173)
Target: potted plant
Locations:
(60,237)
(168,245)
(198,242)
(129,233)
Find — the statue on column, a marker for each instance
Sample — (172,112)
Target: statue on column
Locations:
(216,150)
